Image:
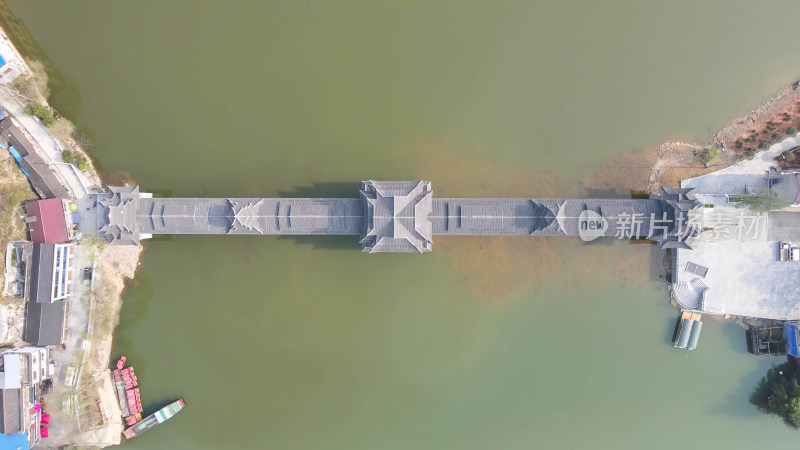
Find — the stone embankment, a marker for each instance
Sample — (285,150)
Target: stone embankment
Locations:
(784,101)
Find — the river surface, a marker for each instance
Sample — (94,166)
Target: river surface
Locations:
(308,343)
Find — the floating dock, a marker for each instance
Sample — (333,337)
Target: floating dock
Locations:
(688,329)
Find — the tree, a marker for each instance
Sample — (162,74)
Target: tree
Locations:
(788,156)
(75,158)
(42,112)
(761,200)
(778,393)
(709,156)
(776,136)
(791,131)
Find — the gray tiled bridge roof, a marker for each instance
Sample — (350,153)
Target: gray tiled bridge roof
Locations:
(250,216)
(398,216)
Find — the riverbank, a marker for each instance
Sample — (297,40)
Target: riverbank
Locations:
(82,403)
(770,121)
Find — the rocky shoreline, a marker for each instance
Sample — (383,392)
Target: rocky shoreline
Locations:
(783,101)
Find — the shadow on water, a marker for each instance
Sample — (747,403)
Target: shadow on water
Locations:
(163,193)
(328,189)
(671,326)
(136,307)
(735,336)
(161,238)
(737,402)
(326,242)
(64,95)
(606,193)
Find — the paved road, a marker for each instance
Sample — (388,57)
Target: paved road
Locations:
(784,226)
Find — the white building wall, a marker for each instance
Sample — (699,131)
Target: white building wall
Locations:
(36,359)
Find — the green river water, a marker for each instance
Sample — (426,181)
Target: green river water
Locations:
(301,343)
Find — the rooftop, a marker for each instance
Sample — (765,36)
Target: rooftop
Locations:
(47,222)
(44,181)
(740,273)
(44,323)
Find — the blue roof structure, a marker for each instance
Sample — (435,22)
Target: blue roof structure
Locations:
(790,331)
(18,441)
(2,61)
(15,154)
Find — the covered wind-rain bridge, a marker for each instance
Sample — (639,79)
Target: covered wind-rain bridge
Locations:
(393,216)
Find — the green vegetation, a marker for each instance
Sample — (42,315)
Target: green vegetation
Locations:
(750,153)
(776,136)
(791,131)
(75,158)
(709,156)
(14,190)
(32,89)
(763,144)
(788,156)
(761,200)
(42,112)
(778,393)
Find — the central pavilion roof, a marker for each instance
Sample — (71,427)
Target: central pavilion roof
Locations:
(398,216)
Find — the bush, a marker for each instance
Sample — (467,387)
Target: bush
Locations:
(739,145)
(791,131)
(750,153)
(69,156)
(709,156)
(763,144)
(42,112)
(777,137)
(76,158)
(789,156)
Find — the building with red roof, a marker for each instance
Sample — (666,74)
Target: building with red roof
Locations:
(47,221)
